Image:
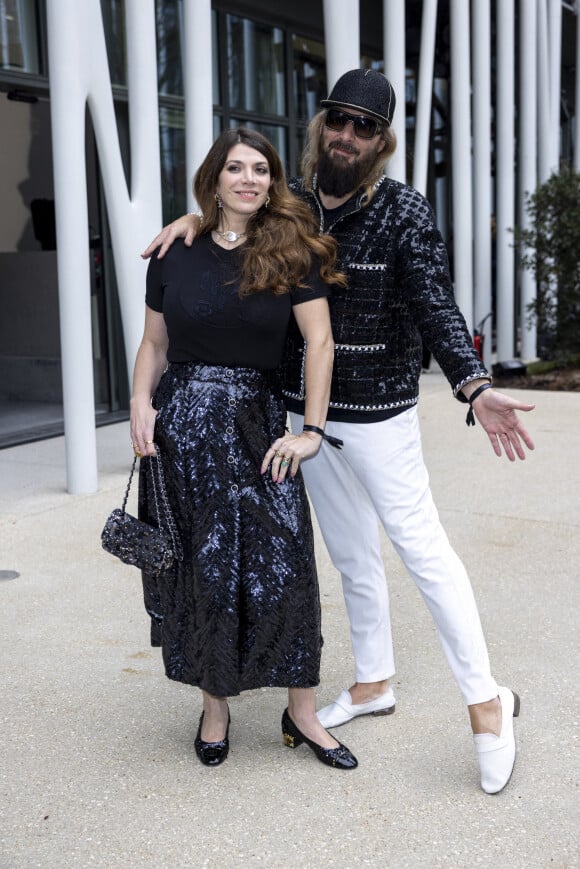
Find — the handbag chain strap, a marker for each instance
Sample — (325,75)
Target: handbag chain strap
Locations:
(124,504)
(164,516)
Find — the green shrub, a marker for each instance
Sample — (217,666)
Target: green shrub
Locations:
(551,249)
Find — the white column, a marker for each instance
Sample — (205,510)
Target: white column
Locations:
(394,47)
(67,105)
(424,96)
(527,159)
(505,181)
(250,77)
(461,158)
(482,271)
(280,81)
(27,15)
(145,182)
(133,210)
(341,38)
(546,162)
(555,67)
(312,104)
(79,76)
(197,87)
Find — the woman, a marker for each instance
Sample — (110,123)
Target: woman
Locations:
(241,610)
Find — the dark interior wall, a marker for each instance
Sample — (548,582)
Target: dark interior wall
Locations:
(25,172)
(29,324)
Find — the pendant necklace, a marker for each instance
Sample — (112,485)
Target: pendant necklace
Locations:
(230,235)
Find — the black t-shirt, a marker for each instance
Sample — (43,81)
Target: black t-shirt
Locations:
(196,289)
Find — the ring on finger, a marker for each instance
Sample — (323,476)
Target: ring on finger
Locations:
(284,463)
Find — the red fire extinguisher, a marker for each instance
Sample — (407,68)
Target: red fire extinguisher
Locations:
(479,337)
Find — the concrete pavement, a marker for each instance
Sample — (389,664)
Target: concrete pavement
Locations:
(97,767)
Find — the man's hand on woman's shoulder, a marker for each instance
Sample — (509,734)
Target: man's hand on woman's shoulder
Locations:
(185,227)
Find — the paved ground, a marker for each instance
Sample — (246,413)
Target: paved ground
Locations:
(97,766)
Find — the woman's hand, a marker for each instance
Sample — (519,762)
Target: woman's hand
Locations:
(186,227)
(142,428)
(286,453)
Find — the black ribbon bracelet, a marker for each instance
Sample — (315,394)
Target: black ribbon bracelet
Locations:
(470,418)
(334,442)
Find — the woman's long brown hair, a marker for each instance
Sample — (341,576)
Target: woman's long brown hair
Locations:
(282,239)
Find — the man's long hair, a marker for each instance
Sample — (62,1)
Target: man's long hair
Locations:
(282,238)
(311,155)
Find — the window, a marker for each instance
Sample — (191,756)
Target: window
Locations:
(113,12)
(169,30)
(309,76)
(255,67)
(174,175)
(18,36)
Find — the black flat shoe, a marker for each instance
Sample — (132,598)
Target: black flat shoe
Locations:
(212,753)
(340,757)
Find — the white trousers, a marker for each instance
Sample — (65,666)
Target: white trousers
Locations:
(380,472)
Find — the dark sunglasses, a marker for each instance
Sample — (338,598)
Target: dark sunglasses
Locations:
(364,128)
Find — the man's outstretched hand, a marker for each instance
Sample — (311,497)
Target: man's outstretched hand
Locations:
(185,227)
(496,413)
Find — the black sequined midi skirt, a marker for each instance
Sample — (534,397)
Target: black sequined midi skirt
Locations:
(242,609)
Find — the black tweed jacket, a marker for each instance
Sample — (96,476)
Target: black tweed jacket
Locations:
(399,293)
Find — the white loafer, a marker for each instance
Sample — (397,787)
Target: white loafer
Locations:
(497,754)
(343,709)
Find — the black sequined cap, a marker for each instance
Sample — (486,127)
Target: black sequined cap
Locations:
(366,90)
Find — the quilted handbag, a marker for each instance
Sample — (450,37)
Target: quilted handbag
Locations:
(151,548)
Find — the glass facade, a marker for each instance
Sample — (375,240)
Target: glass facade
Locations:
(169,30)
(308,76)
(19,36)
(113,12)
(255,67)
(174,177)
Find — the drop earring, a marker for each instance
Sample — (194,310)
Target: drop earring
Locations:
(267,202)
(219,201)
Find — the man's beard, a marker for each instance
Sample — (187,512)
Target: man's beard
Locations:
(336,178)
